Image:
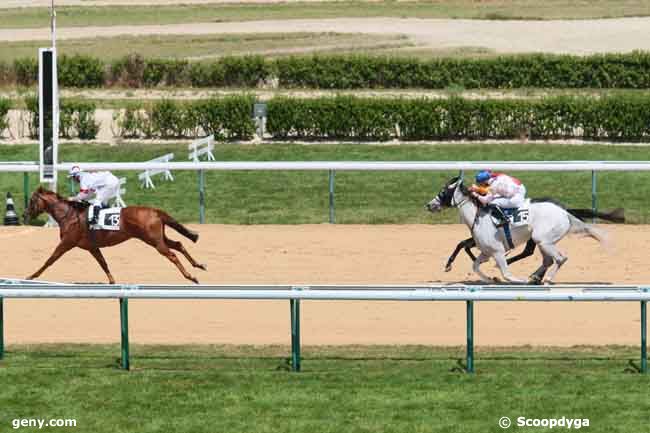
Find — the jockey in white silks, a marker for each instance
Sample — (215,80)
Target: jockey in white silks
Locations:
(103,185)
(499,190)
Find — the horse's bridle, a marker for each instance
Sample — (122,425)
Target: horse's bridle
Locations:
(463,203)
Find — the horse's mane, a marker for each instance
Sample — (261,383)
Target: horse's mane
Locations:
(77,205)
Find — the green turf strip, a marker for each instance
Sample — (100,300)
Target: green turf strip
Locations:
(341,389)
(298,197)
(72,16)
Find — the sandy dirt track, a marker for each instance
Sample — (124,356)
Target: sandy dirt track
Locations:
(323,254)
(570,37)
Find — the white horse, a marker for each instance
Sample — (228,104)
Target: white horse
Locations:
(547,224)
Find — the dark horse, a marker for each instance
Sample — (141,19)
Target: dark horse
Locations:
(146,224)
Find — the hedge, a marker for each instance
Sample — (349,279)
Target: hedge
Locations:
(614,118)
(5,106)
(227,118)
(76,118)
(628,71)
(620,117)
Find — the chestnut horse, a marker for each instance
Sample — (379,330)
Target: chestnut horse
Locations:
(146,224)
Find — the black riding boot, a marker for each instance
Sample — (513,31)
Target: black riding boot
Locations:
(504,223)
(93,214)
(497,212)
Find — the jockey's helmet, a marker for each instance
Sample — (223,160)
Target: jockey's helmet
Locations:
(75,171)
(483,176)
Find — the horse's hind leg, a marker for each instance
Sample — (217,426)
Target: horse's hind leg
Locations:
(176,245)
(552,251)
(164,250)
(538,276)
(97,254)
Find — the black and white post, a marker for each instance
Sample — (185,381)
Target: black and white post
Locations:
(48,105)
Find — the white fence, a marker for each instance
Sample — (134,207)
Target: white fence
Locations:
(466,293)
(333,166)
(347,166)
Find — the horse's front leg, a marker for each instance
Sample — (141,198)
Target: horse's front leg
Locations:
(60,250)
(466,244)
(482,258)
(502,263)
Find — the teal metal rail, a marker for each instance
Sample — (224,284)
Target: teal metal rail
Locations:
(295,294)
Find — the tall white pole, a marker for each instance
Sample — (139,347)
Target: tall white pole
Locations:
(53,25)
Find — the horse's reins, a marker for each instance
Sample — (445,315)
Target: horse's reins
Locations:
(463,203)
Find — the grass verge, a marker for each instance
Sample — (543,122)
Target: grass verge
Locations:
(300,197)
(213,46)
(74,16)
(341,389)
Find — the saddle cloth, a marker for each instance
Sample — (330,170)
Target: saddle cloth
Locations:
(108,219)
(517,217)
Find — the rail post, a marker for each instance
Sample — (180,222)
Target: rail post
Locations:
(594,195)
(470,337)
(294,305)
(644,333)
(201,197)
(124,325)
(2,329)
(26,189)
(332,173)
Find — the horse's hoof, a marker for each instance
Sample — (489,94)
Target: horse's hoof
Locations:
(535,280)
(447,268)
(203,266)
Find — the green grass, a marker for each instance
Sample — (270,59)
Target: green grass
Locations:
(285,197)
(495,9)
(341,389)
(213,46)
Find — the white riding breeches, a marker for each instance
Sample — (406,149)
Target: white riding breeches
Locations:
(516,200)
(105,193)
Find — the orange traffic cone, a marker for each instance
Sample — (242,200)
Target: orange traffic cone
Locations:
(11,219)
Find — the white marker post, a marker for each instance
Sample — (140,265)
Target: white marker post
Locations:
(198,148)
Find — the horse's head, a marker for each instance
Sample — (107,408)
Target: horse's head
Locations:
(445,197)
(37,203)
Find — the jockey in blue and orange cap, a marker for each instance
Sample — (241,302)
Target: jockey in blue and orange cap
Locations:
(498,189)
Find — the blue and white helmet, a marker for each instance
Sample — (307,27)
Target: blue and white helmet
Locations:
(483,176)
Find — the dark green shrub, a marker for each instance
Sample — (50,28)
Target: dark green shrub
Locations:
(26,71)
(129,121)
(5,106)
(230,117)
(80,71)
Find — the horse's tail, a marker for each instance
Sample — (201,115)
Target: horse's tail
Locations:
(615,216)
(580,227)
(180,228)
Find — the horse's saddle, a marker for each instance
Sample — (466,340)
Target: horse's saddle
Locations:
(517,216)
(108,219)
